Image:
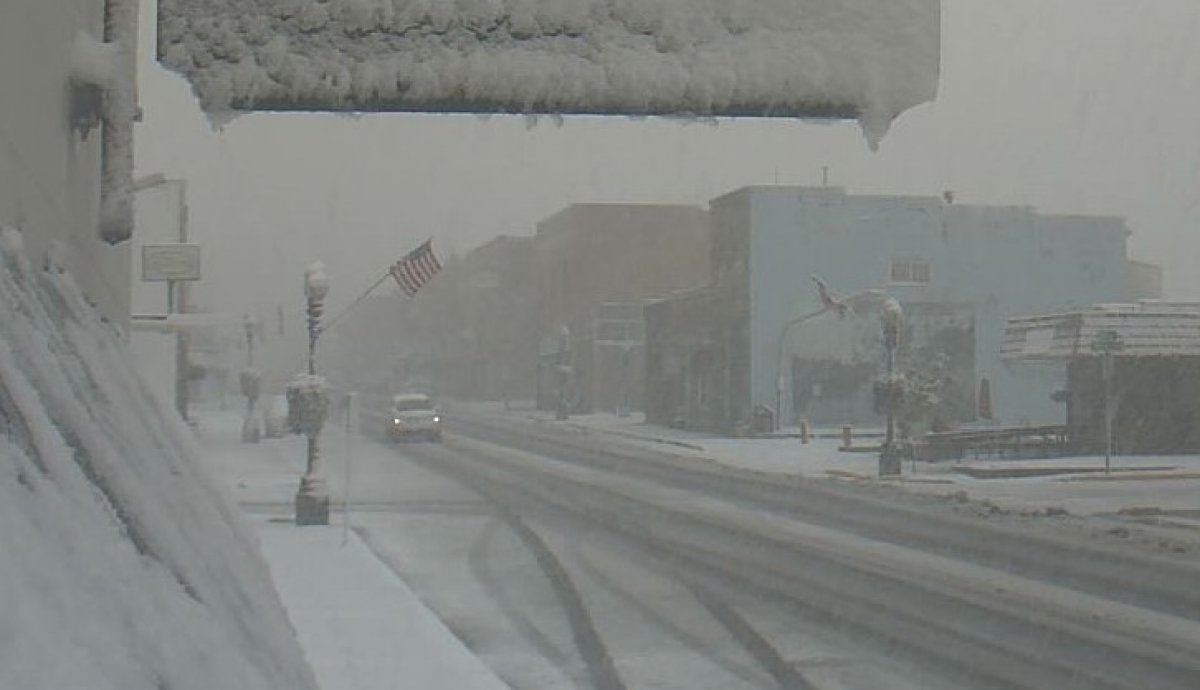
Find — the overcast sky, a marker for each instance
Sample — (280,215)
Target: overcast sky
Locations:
(1071,106)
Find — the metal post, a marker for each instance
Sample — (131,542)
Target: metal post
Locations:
(313,314)
(181,377)
(1107,344)
(1108,413)
(562,372)
(779,382)
(182,369)
(251,387)
(249,344)
(891,317)
(312,500)
(890,436)
(348,403)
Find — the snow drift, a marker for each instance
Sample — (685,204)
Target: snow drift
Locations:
(124,566)
(869,59)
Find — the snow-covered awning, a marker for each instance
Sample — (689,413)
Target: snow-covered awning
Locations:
(870,59)
(1149,328)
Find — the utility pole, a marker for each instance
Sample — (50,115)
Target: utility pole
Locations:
(309,397)
(891,318)
(1107,344)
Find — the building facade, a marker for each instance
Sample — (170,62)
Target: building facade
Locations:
(960,271)
(468,334)
(66,123)
(596,266)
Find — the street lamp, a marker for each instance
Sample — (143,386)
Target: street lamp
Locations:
(316,286)
(308,404)
(1107,344)
(781,382)
(891,318)
(251,383)
(562,372)
(627,348)
(858,303)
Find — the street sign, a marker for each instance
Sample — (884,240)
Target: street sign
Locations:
(167,262)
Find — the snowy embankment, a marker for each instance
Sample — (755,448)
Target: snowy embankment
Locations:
(124,566)
(870,59)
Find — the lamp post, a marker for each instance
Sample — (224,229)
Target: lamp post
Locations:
(308,403)
(891,318)
(251,383)
(1107,344)
(781,381)
(626,361)
(859,302)
(562,372)
(316,286)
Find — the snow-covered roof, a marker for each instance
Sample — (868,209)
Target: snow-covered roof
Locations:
(869,59)
(1150,328)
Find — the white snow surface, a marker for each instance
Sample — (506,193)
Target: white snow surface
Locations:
(870,59)
(366,630)
(124,565)
(1168,482)
(92,61)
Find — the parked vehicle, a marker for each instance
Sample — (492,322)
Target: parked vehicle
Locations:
(414,416)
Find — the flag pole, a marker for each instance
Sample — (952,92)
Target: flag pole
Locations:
(360,298)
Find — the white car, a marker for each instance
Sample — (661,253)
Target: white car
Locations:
(414,416)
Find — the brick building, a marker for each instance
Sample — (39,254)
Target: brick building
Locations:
(596,265)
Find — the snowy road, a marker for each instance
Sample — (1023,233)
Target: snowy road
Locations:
(619,568)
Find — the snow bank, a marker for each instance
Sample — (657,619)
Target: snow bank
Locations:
(123,565)
(870,59)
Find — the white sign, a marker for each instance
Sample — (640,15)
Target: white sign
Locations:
(170,262)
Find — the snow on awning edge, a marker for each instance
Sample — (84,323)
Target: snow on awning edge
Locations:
(872,60)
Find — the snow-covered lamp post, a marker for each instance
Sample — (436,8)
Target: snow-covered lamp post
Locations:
(251,383)
(563,371)
(316,286)
(891,318)
(308,404)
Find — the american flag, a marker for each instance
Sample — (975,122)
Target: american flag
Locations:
(416,268)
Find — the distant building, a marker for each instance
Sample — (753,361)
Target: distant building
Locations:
(1145,281)
(960,271)
(470,333)
(1155,384)
(495,355)
(596,265)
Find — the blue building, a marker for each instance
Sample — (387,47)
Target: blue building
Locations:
(960,271)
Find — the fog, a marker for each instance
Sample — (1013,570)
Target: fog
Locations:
(1076,106)
(623,455)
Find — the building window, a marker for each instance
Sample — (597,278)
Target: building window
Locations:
(910,272)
